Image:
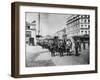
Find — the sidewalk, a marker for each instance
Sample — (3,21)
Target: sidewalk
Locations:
(32,52)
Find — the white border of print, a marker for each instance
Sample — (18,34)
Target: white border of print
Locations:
(68,68)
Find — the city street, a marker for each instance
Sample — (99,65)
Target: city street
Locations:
(37,57)
(52,30)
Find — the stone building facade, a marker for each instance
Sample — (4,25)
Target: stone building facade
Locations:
(31,33)
(78,29)
(78,25)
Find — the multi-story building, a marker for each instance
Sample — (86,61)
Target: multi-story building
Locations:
(31,33)
(61,33)
(78,28)
(78,25)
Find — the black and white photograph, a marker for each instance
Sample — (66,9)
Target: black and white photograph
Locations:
(54,39)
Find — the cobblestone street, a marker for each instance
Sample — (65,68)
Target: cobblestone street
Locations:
(37,57)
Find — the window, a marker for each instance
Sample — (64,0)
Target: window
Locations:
(85,16)
(81,20)
(28,27)
(77,22)
(85,32)
(81,26)
(89,26)
(88,16)
(88,20)
(85,20)
(85,26)
(81,31)
(89,32)
(28,33)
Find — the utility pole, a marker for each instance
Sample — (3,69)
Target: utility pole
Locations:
(39,24)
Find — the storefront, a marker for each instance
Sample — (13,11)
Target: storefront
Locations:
(84,41)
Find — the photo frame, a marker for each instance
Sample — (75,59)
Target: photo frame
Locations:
(53,39)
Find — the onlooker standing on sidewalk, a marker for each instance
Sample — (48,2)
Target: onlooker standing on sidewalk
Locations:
(77,45)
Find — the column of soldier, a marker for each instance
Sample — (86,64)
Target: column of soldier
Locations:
(56,46)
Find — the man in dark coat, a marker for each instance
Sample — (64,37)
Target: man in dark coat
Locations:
(51,48)
(77,48)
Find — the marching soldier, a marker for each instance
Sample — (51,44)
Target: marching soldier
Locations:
(51,48)
(61,48)
(69,46)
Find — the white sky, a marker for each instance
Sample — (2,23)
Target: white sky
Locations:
(49,23)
